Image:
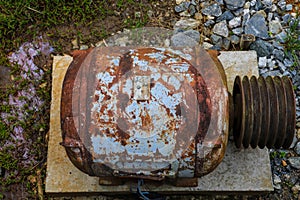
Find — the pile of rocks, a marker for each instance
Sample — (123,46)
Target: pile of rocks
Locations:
(266,22)
(260,25)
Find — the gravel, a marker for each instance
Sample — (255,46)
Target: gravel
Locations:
(269,21)
(221,29)
(257,26)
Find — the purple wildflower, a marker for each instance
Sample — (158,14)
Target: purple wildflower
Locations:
(24,58)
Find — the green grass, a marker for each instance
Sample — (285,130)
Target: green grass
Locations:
(292,43)
(22,21)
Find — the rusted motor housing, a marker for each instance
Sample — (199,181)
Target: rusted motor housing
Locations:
(149,113)
(264,112)
(157,113)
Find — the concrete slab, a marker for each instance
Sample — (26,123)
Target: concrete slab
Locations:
(241,170)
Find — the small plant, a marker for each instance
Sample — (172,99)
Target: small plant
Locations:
(277,154)
(22,113)
(292,42)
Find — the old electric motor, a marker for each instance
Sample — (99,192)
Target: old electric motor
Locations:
(157,113)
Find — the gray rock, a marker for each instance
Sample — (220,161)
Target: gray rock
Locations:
(257,26)
(215,39)
(252,2)
(209,22)
(237,31)
(234,4)
(83,47)
(289,7)
(258,5)
(180,40)
(294,142)
(272,73)
(246,18)
(247,5)
(179,8)
(262,62)
(185,14)
(294,162)
(193,2)
(216,47)
(271,64)
(287,73)
(277,45)
(275,27)
(192,10)
(212,10)
(294,73)
(221,29)
(262,48)
(270,16)
(281,37)
(193,34)
(297,148)
(220,2)
(235,22)
(273,8)
(238,12)
(178,30)
(263,70)
(288,63)
(182,6)
(262,12)
(226,43)
(286,18)
(277,186)
(227,15)
(267,3)
(279,54)
(282,4)
(187,24)
(293,179)
(234,39)
(276,179)
(207,45)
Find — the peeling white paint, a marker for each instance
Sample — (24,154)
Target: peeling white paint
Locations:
(152,124)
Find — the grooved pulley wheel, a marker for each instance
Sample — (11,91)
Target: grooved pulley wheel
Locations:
(264,112)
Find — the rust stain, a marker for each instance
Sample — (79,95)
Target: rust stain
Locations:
(146,113)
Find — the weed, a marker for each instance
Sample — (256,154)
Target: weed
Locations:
(277,154)
(21,21)
(292,42)
(4,133)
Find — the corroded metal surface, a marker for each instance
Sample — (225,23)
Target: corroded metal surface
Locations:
(63,178)
(264,112)
(145,112)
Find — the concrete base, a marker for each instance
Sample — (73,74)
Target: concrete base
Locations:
(241,170)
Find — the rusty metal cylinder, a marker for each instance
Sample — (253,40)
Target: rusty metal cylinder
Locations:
(157,113)
(264,112)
